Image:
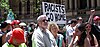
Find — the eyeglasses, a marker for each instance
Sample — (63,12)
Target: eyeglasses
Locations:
(44,20)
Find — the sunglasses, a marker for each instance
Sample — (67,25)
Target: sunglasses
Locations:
(44,20)
(88,27)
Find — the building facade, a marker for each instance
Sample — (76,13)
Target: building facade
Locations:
(26,9)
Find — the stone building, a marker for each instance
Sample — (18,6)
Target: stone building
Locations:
(24,9)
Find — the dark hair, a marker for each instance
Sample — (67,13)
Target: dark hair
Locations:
(3,25)
(73,21)
(83,35)
(90,33)
(81,27)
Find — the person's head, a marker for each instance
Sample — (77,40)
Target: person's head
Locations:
(69,22)
(17,37)
(73,22)
(32,25)
(96,19)
(80,29)
(15,23)
(80,32)
(42,21)
(4,26)
(88,27)
(79,19)
(22,25)
(9,22)
(53,28)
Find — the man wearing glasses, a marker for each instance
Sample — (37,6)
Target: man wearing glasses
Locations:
(42,37)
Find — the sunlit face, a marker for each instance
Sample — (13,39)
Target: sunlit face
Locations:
(54,30)
(43,22)
(88,27)
(78,32)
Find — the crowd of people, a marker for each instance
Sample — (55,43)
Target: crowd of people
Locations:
(48,34)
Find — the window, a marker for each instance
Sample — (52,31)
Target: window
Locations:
(68,3)
(20,8)
(89,3)
(73,4)
(83,4)
(95,3)
(28,7)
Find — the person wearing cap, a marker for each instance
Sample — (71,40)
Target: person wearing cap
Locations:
(95,28)
(15,24)
(68,24)
(42,37)
(71,29)
(96,20)
(23,26)
(9,22)
(17,39)
(4,27)
(79,21)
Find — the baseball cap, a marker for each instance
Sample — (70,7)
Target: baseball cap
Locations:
(79,18)
(3,24)
(96,18)
(22,24)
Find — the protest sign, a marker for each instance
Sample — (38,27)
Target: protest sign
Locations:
(54,12)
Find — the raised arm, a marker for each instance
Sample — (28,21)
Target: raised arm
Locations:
(92,13)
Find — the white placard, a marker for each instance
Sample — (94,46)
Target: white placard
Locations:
(54,12)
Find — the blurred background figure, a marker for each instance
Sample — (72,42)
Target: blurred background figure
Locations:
(17,39)
(71,29)
(68,25)
(79,21)
(95,28)
(23,26)
(96,21)
(4,26)
(14,24)
(31,28)
(9,22)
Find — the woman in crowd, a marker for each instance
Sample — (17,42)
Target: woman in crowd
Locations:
(53,27)
(92,39)
(85,37)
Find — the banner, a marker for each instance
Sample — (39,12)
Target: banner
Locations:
(54,12)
